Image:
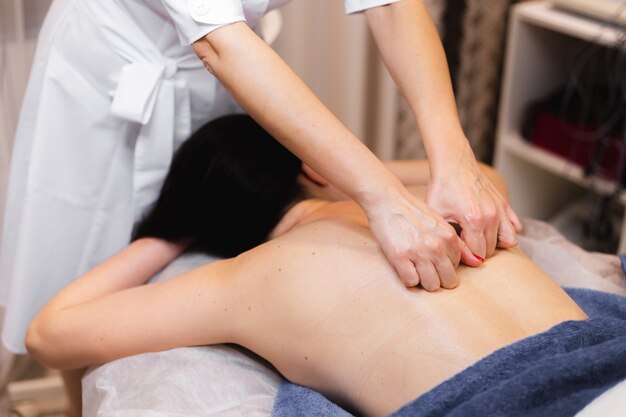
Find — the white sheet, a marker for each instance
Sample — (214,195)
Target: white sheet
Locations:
(204,381)
(220,381)
(568,264)
(215,381)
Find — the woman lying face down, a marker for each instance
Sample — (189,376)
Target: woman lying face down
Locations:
(307,286)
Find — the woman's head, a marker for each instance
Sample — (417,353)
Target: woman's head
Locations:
(228,186)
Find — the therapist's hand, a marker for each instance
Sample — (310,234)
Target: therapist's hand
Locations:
(462,193)
(422,247)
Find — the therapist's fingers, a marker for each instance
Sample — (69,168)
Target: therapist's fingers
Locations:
(514,218)
(429,278)
(407,272)
(473,234)
(467,256)
(491,237)
(447,273)
(507,234)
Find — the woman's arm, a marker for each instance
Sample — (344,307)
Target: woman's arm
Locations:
(411,49)
(107,313)
(417,241)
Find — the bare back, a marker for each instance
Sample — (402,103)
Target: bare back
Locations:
(320,302)
(324,306)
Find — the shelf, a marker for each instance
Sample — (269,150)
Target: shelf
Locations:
(543,45)
(543,14)
(559,166)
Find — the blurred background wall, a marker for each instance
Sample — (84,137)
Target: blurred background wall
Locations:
(335,55)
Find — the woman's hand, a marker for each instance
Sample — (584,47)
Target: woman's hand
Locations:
(462,193)
(422,247)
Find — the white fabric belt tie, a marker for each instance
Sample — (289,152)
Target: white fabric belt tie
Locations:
(147,92)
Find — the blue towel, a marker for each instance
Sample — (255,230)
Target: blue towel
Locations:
(555,373)
(298,401)
(599,304)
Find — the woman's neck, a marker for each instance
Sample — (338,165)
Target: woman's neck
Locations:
(296,215)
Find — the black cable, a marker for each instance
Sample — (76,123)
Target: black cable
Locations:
(595,96)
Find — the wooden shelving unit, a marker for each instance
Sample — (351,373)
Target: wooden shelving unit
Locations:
(542,48)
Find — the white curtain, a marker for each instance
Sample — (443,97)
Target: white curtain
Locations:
(19,24)
(20,21)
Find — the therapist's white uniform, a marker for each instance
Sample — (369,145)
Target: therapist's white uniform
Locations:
(114,90)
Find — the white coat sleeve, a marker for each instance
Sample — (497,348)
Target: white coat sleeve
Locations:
(355,6)
(195,19)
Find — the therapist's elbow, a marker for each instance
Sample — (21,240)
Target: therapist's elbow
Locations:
(44,342)
(214,47)
(207,53)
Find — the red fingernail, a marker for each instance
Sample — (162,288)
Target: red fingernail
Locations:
(479,258)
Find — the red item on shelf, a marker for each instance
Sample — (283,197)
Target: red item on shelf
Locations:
(576,143)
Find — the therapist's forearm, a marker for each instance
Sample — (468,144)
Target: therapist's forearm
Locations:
(411,49)
(275,97)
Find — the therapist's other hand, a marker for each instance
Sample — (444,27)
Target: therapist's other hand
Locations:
(422,247)
(462,193)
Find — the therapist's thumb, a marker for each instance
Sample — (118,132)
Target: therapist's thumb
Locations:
(467,256)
